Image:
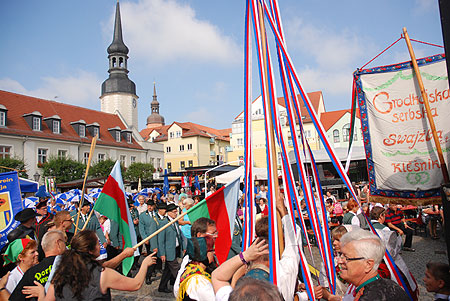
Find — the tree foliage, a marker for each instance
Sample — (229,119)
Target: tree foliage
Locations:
(15,163)
(139,170)
(102,169)
(63,169)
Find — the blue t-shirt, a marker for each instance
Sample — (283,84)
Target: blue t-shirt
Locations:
(186,229)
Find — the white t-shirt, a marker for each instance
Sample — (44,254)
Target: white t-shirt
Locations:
(14,278)
(224,293)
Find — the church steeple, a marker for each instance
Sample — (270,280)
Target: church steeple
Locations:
(118,91)
(154,119)
(118,81)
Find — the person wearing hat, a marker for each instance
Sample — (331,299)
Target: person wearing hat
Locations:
(27,219)
(22,251)
(170,243)
(44,217)
(93,223)
(193,281)
(148,224)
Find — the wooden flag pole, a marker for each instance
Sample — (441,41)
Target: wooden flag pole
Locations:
(159,230)
(427,107)
(91,152)
(270,128)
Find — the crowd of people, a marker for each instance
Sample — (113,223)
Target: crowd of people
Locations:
(53,255)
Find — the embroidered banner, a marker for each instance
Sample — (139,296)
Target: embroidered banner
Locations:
(400,150)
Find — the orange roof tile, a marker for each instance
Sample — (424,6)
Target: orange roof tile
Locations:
(19,105)
(328,119)
(188,129)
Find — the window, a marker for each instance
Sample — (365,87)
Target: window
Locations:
(189,146)
(336,136)
(169,166)
(158,163)
(101,157)
(129,137)
(2,118)
(56,128)
(122,159)
(182,164)
(182,148)
(171,135)
(346,132)
(5,151)
(178,134)
(240,141)
(355,137)
(308,134)
(168,149)
(191,163)
(95,131)
(117,136)
(36,124)
(82,130)
(152,162)
(132,159)
(85,157)
(42,155)
(62,153)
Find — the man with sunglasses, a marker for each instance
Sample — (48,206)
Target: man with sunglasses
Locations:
(361,254)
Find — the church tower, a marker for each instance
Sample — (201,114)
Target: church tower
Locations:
(118,91)
(154,119)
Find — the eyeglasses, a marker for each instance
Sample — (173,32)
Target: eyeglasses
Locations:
(346,259)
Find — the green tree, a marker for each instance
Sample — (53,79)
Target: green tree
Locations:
(15,163)
(102,169)
(139,170)
(64,169)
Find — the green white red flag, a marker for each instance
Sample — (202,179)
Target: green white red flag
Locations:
(112,203)
(220,207)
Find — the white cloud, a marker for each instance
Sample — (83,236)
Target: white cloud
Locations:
(162,31)
(80,89)
(423,6)
(202,116)
(216,93)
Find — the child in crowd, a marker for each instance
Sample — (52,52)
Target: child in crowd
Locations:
(437,280)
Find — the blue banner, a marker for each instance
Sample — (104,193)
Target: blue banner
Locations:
(10,203)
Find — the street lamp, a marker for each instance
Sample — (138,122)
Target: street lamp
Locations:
(36,176)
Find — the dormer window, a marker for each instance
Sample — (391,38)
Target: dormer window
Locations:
(94,129)
(54,124)
(56,127)
(34,120)
(82,130)
(115,133)
(3,113)
(129,137)
(126,135)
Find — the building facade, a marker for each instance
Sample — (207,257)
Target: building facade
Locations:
(258,131)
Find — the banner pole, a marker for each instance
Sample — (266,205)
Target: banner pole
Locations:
(91,152)
(427,107)
(270,129)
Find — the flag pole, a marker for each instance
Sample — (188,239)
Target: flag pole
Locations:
(270,129)
(427,107)
(170,223)
(91,152)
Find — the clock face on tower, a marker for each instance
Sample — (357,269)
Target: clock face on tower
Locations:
(134,103)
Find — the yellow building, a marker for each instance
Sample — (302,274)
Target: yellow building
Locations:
(188,144)
(258,136)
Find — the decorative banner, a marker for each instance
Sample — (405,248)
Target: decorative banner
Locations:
(10,203)
(401,155)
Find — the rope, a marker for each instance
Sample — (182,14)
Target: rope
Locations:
(401,37)
(427,43)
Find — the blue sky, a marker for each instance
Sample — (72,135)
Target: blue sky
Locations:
(194,49)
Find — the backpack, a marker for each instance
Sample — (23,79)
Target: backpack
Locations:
(338,208)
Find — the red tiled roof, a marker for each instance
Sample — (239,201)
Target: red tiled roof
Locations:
(314,97)
(18,105)
(328,119)
(188,129)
